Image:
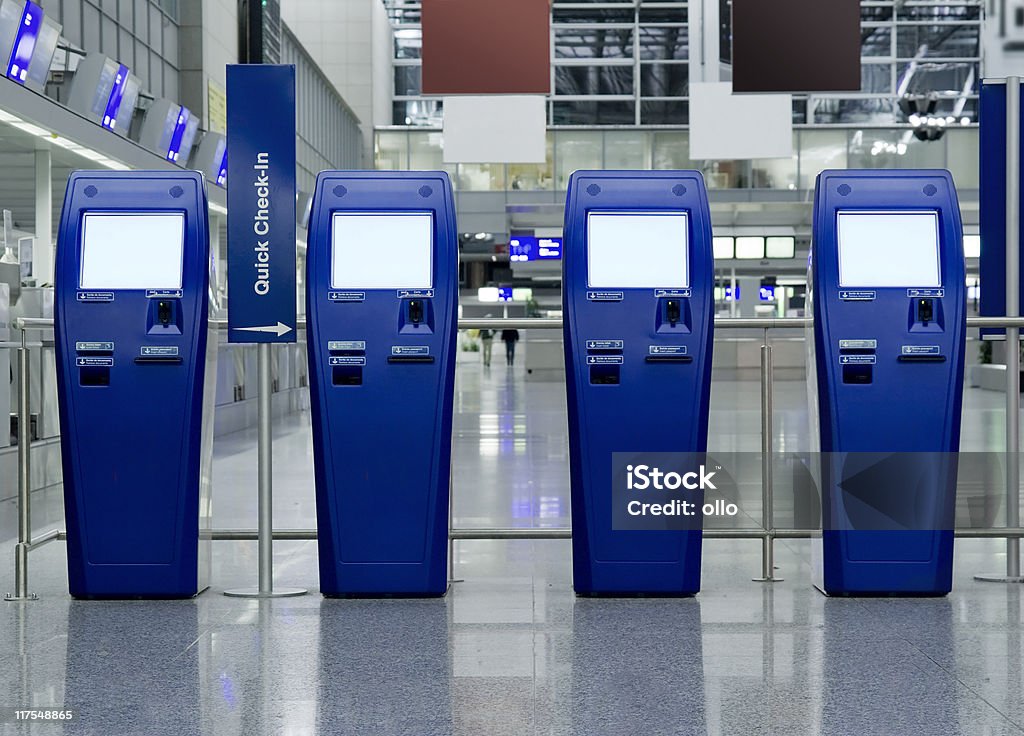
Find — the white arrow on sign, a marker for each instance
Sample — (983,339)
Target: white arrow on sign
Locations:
(280,328)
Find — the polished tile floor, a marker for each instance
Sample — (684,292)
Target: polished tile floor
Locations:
(511,650)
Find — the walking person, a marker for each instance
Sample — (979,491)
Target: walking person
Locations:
(487,345)
(510,337)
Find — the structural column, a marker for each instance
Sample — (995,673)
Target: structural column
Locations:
(42,256)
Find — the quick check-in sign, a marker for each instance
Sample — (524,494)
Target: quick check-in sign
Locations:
(261,203)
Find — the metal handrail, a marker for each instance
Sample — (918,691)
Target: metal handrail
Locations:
(549,323)
(768,534)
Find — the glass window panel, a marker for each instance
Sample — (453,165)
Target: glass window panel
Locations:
(820,149)
(664,80)
(654,14)
(664,112)
(664,43)
(575,16)
(962,156)
(391,150)
(484,177)
(875,13)
(775,173)
(898,149)
(671,150)
(534,176)
(417,112)
(408,80)
(425,151)
(594,43)
(627,150)
(593,112)
(577,150)
(876,41)
(588,81)
(408,43)
(866,110)
(944,11)
(726,174)
(938,42)
(876,78)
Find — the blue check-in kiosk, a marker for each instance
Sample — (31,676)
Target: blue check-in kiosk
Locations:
(887,288)
(638,305)
(135,381)
(381,305)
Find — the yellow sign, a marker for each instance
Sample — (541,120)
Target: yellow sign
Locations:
(217,106)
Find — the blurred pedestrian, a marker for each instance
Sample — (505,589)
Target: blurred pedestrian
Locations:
(510,337)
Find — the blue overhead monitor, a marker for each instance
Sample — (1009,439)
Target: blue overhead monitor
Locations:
(25,42)
(111,113)
(523,248)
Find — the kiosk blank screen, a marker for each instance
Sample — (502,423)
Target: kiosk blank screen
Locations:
(889,249)
(385,250)
(132,250)
(631,250)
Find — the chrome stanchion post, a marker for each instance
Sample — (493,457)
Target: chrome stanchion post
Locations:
(767,448)
(265,483)
(24,479)
(1012,334)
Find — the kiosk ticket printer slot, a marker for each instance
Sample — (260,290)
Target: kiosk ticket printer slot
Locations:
(886,377)
(135,380)
(381,305)
(637,295)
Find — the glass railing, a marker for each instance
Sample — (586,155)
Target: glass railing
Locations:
(569,149)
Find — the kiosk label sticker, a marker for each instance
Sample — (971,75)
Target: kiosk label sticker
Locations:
(415,293)
(604,296)
(858,344)
(91,362)
(926,293)
(673,293)
(346,360)
(95,296)
(159,350)
(921,350)
(346,345)
(857,295)
(856,359)
(604,344)
(410,350)
(346,296)
(604,360)
(666,350)
(164,293)
(94,347)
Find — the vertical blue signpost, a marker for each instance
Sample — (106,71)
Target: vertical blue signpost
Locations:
(1002,270)
(261,251)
